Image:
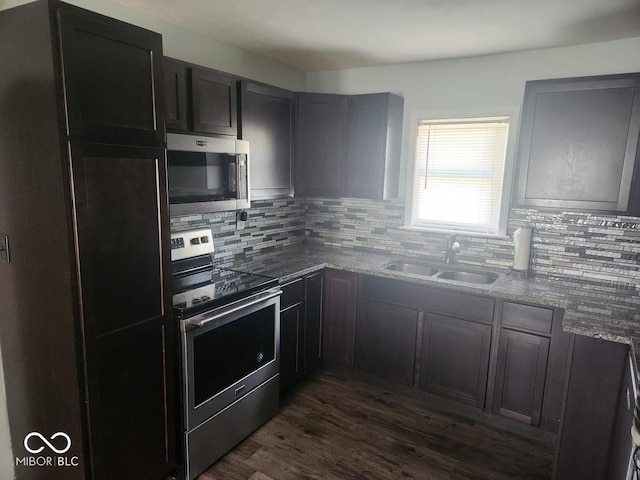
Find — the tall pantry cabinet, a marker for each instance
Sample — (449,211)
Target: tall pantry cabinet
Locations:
(87,341)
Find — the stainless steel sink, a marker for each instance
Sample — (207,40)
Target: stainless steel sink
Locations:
(414,268)
(468,277)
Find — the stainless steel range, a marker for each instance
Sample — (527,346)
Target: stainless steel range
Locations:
(230,331)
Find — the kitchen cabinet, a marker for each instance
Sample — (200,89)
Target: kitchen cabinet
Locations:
(386,341)
(124,316)
(374,137)
(267,122)
(523,356)
(175,88)
(520,377)
(621,442)
(579,144)
(349,145)
(339,318)
(88,242)
(320,144)
(300,328)
(199,100)
(291,333)
(112,79)
(314,294)
(593,392)
(455,358)
(214,102)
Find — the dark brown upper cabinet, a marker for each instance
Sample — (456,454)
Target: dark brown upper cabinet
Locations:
(199,99)
(112,74)
(175,90)
(267,122)
(321,140)
(349,145)
(214,102)
(373,145)
(579,144)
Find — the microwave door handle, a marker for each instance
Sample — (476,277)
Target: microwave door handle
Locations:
(233,177)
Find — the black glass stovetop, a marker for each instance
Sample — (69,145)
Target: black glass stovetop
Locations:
(203,290)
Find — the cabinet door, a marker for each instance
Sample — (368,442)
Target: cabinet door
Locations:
(112,78)
(593,391)
(622,443)
(455,358)
(373,146)
(121,220)
(175,94)
(291,345)
(214,102)
(339,318)
(321,143)
(386,341)
(266,121)
(578,143)
(520,376)
(314,288)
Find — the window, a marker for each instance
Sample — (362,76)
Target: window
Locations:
(458,174)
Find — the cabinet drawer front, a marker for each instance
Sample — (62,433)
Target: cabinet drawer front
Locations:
(536,319)
(292,293)
(459,305)
(436,300)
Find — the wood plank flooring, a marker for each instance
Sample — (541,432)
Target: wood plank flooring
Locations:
(335,428)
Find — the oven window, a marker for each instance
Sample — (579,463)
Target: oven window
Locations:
(228,353)
(199,176)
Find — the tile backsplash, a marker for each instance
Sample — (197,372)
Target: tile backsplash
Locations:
(271,225)
(602,249)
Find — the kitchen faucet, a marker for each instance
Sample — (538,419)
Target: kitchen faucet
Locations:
(453,247)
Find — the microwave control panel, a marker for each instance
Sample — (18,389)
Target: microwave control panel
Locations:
(191,243)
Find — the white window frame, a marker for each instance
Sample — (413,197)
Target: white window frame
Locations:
(513,112)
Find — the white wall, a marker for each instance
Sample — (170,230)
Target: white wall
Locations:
(197,48)
(479,82)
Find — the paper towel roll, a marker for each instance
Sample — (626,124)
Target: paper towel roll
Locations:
(521,248)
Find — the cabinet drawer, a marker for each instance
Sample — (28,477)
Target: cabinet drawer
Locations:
(536,319)
(436,300)
(292,293)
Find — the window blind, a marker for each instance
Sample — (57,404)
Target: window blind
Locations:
(459,170)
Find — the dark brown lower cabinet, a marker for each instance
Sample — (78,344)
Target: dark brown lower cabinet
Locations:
(455,358)
(339,318)
(291,344)
(520,376)
(621,442)
(313,313)
(300,328)
(386,341)
(591,404)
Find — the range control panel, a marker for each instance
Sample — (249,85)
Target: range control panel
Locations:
(191,243)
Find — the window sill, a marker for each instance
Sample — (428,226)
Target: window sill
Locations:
(464,233)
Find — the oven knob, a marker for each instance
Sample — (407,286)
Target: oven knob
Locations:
(260,357)
(195,241)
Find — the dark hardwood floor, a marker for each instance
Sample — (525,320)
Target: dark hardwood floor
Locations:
(335,428)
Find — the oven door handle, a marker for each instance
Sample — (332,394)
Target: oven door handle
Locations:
(201,322)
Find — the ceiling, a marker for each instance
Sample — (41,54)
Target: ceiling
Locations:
(317,35)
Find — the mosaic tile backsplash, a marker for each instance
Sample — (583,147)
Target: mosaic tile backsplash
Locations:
(271,225)
(601,249)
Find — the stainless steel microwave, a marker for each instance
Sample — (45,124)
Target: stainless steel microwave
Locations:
(207,174)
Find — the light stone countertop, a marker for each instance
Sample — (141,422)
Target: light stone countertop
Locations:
(595,310)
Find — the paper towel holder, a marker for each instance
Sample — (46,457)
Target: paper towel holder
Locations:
(522,239)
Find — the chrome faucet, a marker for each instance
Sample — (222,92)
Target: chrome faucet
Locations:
(453,247)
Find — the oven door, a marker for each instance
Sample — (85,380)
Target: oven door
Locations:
(229,352)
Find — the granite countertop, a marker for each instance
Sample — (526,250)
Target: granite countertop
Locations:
(595,310)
